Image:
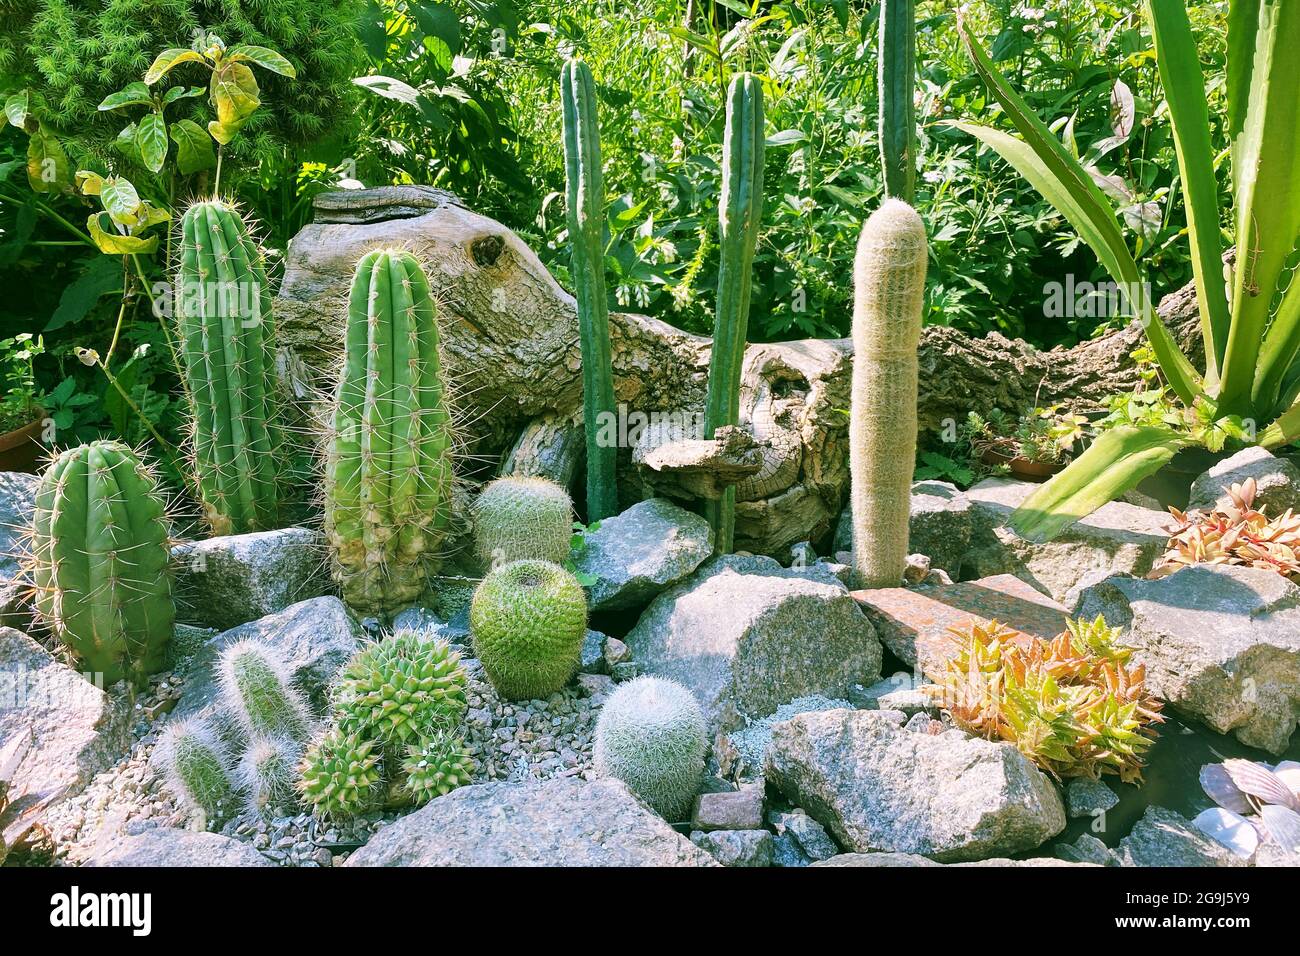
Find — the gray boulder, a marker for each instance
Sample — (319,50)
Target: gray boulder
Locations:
(747,641)
(748,848)
(1165,838)
(1220,644)
(811,837)
(167,846)
(912,859)
(17,499)
(561,822)
(939,527)
(1277,481)
(859,772)
(1087,849)
(1088,798)
(1116,538)
(635,555)
(67,728)
(227,581)
(315,637)
(742,753)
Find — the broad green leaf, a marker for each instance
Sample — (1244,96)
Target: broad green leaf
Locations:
(17,108)
(1112,465)
(264,57)
(223,133)
(151,140)
(786,137)
(1184,86)
(151,215)
(193,147)
(175,93)
(100,277)
(168,60)
(114,243)
(121,201)
(125,142)
(89,182)
(234,94)
(47,163)
(390,88)
(439,20)
(133,94)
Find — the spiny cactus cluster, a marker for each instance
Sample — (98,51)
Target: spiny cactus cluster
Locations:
(652,735)
(528,620)
(397,705)
(518,518)
(99,561)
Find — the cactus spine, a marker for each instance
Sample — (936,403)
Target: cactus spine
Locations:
(889,290)
(228,347)
(739,213)
(100,556)
(585,201)
(388,473)
(896,81)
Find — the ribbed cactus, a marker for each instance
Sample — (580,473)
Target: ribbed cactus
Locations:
(227,342)
(518,518)
(100,561)
(896,83)
(889,290)
(585,201)
(388,473)
(739,213)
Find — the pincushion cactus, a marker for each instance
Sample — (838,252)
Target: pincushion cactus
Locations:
(652,735)
(227,343)
(341,775)
(257,687)
(267,772)
(889,291)
(436,766)
(195,760)
(518,518)
(99,561)
(401,690)
(388,475)
(528,620)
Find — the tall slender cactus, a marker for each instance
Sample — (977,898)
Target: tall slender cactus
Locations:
(585,202)
(896,84)
(740,211)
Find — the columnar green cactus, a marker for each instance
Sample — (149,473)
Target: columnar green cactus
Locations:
(100,561)
(194,760)
(889,291)
(257,687)
(267,773)
(228,346)
(739,213)
(896,82)
(388,474)
(518,518)
(585,201)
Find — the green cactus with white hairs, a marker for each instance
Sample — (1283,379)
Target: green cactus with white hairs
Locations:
(388,477)
(585,204)
(257,686)
(523,518)
(227,344)
(267,773)
(740,212)
(194,760)
(528,620)
(99,561)
(889,292)
(652,735)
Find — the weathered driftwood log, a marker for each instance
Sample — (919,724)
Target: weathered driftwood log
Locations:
(510,334)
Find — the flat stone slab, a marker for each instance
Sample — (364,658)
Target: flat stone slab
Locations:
(912,859)
(914,623)
(167,846)
(561,822)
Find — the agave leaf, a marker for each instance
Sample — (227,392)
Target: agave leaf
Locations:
(1256,780)
(1283,825)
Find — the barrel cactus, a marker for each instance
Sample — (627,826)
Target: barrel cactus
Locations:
(585,203)
(194,761)
(257,686)
(740,211)
(267,773)
(388,474)
(436,766)
(519,518)
(227,343)
(889,290)
(99,561)
(528,620)
(341,775)
(652,735)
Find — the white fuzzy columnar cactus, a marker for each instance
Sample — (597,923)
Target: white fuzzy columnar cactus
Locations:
(889,290)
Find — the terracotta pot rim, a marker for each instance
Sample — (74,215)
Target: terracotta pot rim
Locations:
(16,437)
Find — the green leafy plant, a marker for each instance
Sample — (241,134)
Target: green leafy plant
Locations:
(146,139)
(1250,324)
(22,401)
(1046,435)
(519,517)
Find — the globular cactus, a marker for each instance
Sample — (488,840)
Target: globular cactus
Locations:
(585,203)
(341,776)
(652,735)
(528,620)
(194,761)
(267,773)
(257,687)
(436,766)
(889,292)
(518,519)
(401,689)
(227,341)
(896,82)
(740,211)
(388,475)
(99,561)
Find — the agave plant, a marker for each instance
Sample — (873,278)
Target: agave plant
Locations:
(1256,804)
(1233,533)
(1250,318)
